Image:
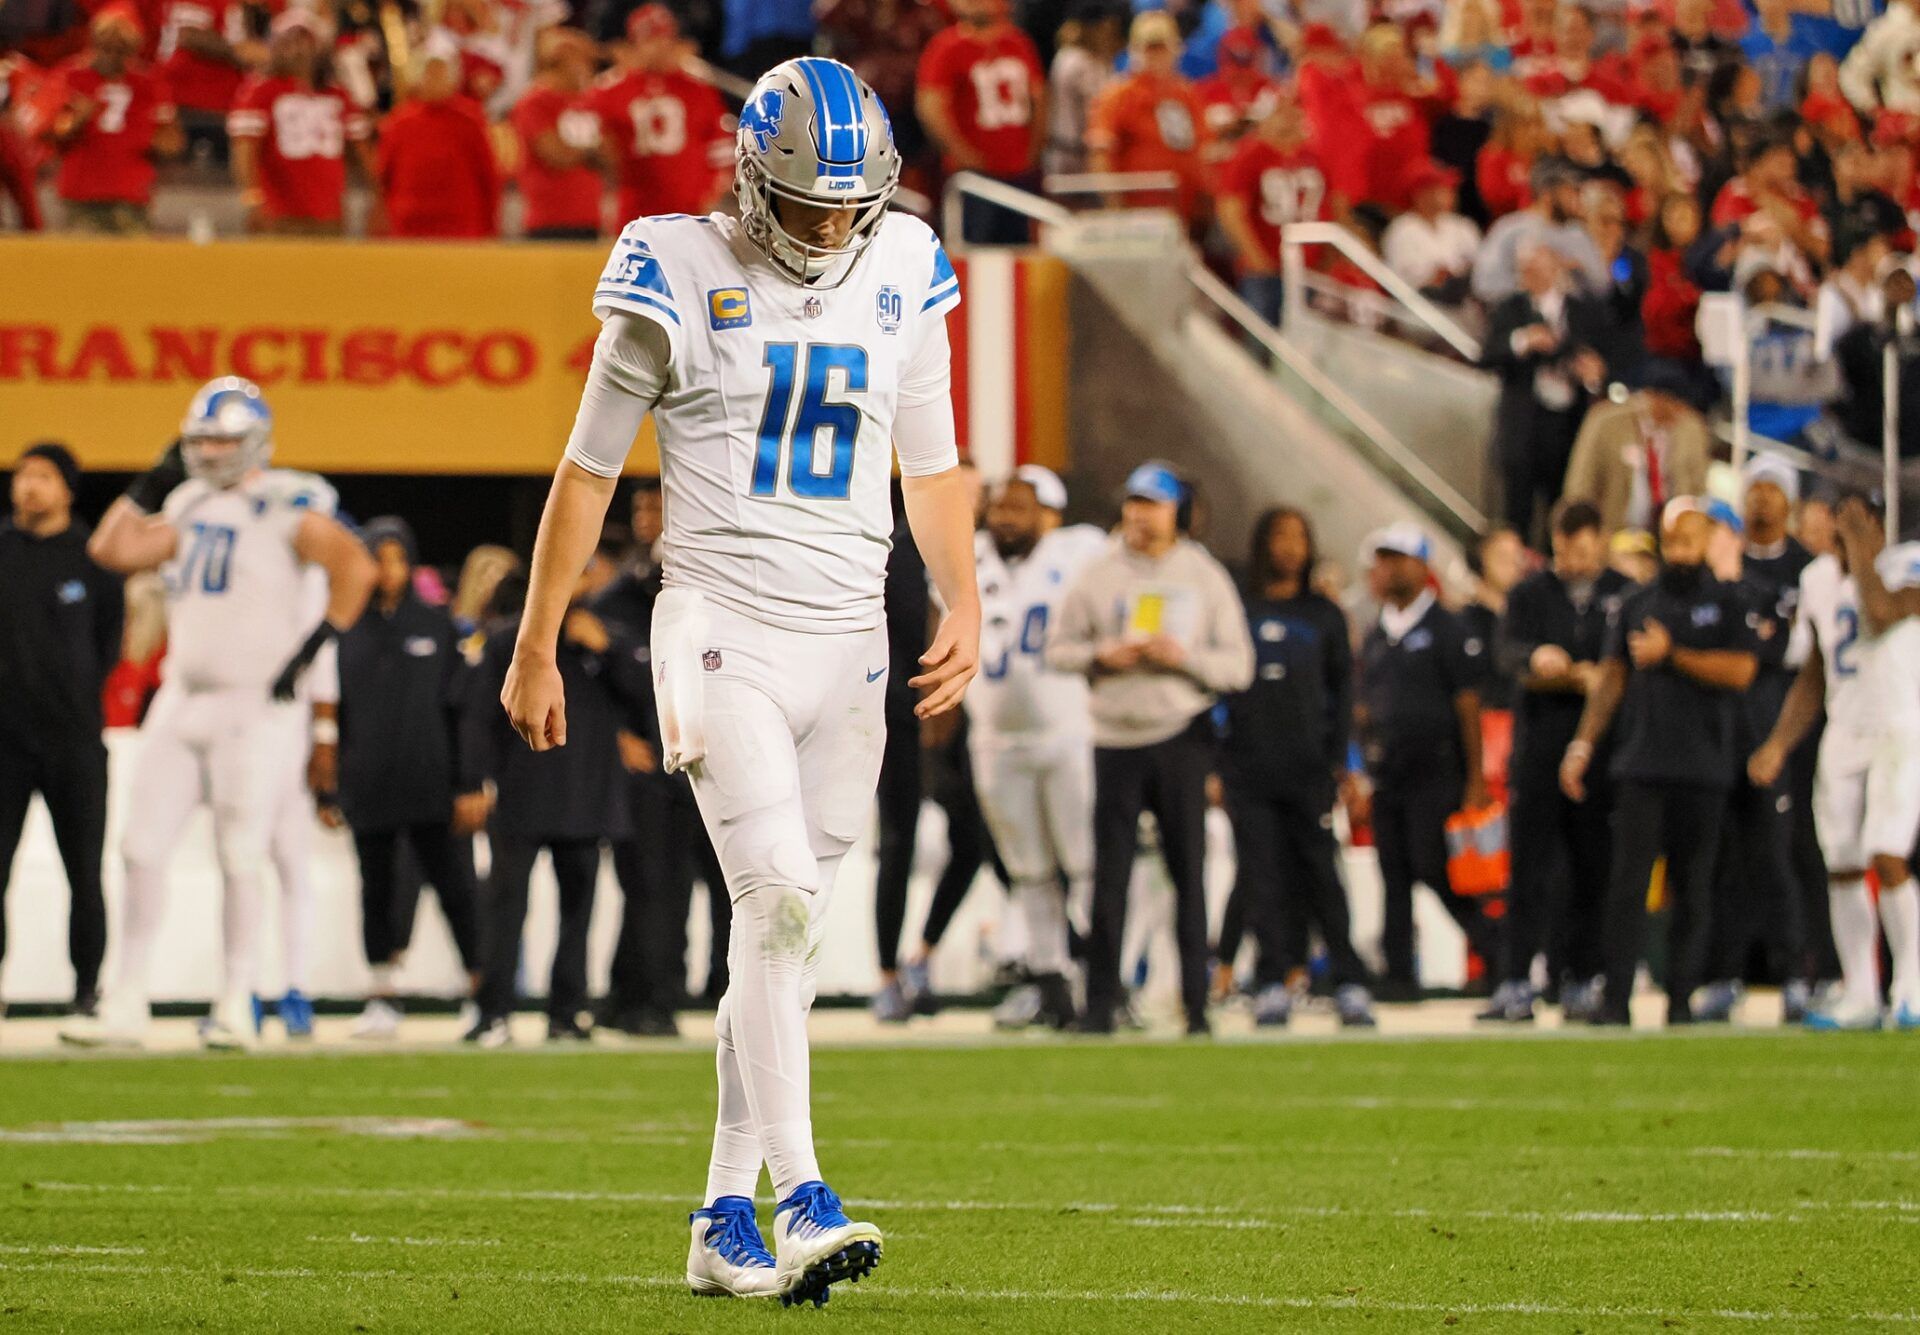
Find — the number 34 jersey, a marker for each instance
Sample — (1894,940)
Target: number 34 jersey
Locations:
(1016,696)
(776,426)
(1873,683)
(238,604)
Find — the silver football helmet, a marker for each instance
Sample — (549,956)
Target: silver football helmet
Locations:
(812,132)
(226,409)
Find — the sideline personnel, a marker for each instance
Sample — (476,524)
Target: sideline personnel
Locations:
(1419,717)
(60,620)
(1551,639)
(1677,660)
(1157,626)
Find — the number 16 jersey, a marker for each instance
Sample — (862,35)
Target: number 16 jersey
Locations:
(776,427)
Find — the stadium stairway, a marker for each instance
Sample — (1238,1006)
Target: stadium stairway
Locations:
(1166,361)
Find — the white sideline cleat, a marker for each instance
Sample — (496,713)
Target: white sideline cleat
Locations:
(818,1246)
(115,1025)
(229,1027)
(727,1257)
(379,1019)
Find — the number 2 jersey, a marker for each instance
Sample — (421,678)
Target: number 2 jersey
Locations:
(777,423)
(1873,682)
(1016,695)
(239,602)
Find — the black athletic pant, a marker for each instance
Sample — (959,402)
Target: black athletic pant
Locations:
(1754,897)
(1410,834)
(1169,779)
(969,843)
(900,789)
(657,868)
(1682,822)
(576,865)
(72,780)
(1288,882)
(1809,865)
(1557,901)
(391,863)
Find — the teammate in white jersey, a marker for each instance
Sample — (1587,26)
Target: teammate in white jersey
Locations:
(1031,734)
(787,358)
(233,540)
(1864,665)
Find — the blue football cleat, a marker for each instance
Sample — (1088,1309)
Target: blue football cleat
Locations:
(818,1246)
(1843,1017)
(727,1258)
(1905,1017)
(1716,1002)
(296,1014)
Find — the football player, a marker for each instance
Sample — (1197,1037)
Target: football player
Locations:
(1032,735)
(233,539)
(787,356)
(1864,666)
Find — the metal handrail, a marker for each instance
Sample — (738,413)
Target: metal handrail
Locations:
(952,209)
(1101,183)
(1466,516)
(1298,236)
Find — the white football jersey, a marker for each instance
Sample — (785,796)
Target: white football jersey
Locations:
(1015,693)
(239,603)
(776,427)
(1873,683)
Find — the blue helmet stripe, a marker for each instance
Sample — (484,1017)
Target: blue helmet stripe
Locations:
(839,130)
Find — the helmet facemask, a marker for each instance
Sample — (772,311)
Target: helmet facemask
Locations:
(224,468)
(802,261)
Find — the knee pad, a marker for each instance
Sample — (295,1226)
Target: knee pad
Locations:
(782,927)
(762,851)
(239,844)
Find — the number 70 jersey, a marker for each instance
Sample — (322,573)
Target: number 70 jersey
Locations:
(776,429)
(237,591)
(1016,695)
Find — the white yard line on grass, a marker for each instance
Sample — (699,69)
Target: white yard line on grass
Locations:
(366,1240)
(1198,1216)
(881,1291)
(66,1249)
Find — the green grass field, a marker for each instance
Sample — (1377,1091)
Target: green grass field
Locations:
(1730,1182)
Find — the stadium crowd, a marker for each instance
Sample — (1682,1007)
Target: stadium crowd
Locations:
(1565,180)
(1576,704)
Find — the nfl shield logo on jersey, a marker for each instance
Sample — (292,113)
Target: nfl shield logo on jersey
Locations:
(710,660)
(814,308)
(887,308)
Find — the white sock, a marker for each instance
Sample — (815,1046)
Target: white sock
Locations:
(382,980)
(296,913)
(734,1169)
(1854,940)
(765,961)
(143,911)
(1900,918)
(1045,912)
(240,934)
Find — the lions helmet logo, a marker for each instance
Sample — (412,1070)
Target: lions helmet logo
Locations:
(761,119)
